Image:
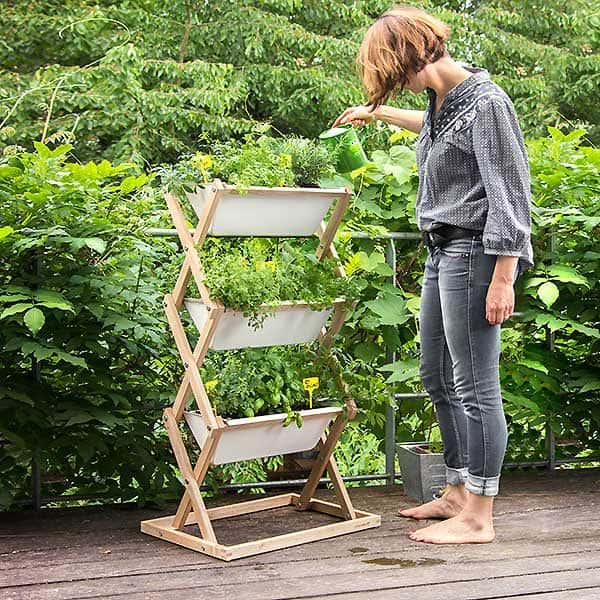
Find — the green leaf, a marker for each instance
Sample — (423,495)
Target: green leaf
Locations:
(533,364)
(5,232)
(590,331)
(34,319)
(40,352)
(567,274)
(79,419)
(590,386)
(390,308)
(7,172)
(548,292)
(402,370)
(51,299)
(15,309)
(131,183)
(42,149)
(60,150)
(521,401)
(373,263)
(96,244)
(71,359)
(10,298)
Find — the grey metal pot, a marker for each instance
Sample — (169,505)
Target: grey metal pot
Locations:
(423,472)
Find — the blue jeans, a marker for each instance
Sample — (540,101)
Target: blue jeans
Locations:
(459,363)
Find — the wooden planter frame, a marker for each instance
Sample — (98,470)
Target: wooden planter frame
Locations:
(192,510)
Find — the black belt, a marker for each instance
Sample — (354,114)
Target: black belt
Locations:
(440,235)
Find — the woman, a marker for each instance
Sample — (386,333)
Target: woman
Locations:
(473,208)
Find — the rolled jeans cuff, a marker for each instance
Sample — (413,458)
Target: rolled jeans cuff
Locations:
(482,486)
(456,476)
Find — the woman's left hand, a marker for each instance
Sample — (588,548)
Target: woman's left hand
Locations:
(499,302)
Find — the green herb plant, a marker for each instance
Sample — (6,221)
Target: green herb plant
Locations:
(260,160)
(243,274)
(260,381)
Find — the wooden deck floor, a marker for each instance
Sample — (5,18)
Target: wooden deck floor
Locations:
(547,546)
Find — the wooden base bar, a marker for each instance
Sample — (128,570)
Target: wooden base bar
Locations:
(162,527)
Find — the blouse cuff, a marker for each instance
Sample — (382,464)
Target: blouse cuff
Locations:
(504,246)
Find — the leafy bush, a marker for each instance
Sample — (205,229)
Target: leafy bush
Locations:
(258,160)
(86,360)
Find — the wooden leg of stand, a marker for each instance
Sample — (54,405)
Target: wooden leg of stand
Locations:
(339,315)
(192,489)
(327,445)
(340,489)
(200,470)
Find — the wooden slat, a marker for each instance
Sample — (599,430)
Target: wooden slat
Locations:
(191,264)
(198,356)
(327,236)
(250,506)
(326,450)
(200,471)
(328,333)
(341,492)
(192,372)
(302,537)
(161,528)
(188,474)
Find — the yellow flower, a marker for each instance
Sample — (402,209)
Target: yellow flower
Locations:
(210,385)
(263,265)
(202,161)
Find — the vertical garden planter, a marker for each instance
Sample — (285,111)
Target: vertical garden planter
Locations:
(222,210)
(423,472)
(262,436)
(284,323)
(263,211)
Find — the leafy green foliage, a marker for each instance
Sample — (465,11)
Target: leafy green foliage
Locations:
(142,82)
(260,160)
(245,274)
(85,356)
(259,381)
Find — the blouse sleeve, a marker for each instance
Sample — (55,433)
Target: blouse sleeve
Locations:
(502,159)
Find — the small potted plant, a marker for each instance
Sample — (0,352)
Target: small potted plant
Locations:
(422,467)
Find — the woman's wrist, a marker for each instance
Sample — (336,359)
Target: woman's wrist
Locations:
(376,113)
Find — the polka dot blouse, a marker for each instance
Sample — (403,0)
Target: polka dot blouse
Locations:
(473,167)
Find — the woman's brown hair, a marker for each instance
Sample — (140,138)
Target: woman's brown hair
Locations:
(401,42)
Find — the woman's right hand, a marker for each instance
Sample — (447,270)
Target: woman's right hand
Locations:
(357,115)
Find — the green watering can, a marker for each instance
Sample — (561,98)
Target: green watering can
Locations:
(345,148)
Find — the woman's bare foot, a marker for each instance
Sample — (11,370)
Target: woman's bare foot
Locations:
(461,529)
(474,524)
(449,505)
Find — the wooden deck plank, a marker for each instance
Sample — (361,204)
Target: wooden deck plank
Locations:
(547,528)
(348,559)
(67,546)
(282,583)
(548,524)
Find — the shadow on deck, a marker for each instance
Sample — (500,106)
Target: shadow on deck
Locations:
(547,546)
